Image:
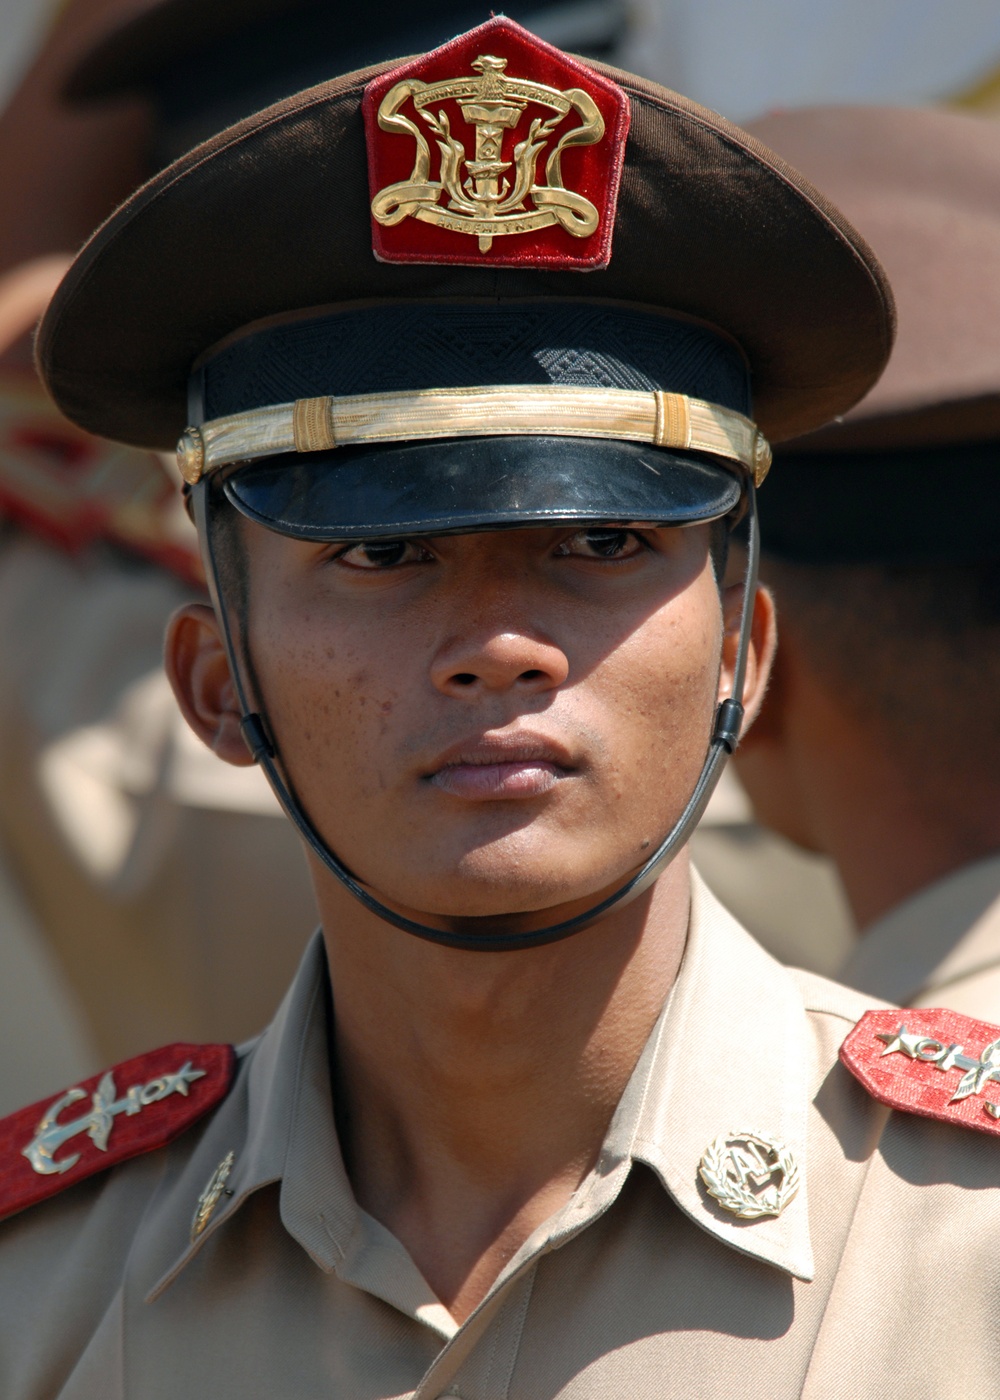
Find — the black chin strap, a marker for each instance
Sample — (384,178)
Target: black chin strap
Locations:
(725,736)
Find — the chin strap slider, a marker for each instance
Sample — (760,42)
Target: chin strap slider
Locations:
(256,740)
(728,722)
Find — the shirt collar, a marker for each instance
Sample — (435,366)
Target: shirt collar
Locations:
(281,1111)
(278,1123)
(730,1053)
(946,931)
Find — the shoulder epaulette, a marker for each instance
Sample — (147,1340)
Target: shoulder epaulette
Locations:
(136,1107)
(929,1061)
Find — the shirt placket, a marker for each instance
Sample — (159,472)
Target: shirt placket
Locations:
(478,1363)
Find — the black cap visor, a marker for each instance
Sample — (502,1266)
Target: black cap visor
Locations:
(456,486)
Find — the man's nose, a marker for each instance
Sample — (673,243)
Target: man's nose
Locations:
(497,662)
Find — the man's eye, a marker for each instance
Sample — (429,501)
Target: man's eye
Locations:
(603,543)
(382,554)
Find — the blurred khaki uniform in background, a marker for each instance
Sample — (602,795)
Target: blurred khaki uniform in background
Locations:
(790,899)
(879,744)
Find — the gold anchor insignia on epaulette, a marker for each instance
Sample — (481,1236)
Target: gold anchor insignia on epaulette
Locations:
(486,203)
(98,1121)
(748,1175)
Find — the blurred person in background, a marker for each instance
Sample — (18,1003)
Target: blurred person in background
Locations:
(879,741)
(60,173)
(744,59)
(149,868)
(776,887)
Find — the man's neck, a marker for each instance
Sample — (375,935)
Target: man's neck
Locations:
(474,1090)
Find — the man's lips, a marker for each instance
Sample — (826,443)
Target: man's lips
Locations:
(501,767)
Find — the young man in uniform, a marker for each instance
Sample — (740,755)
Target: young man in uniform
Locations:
(879,743)
(464,347)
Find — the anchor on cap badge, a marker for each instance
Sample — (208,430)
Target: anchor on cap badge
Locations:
(750,1176)
(486,203)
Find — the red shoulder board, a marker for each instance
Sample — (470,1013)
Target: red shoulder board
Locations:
(136,1107)
(495,150)
(932,1062)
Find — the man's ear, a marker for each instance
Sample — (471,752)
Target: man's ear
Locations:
(760,653)
(198,671)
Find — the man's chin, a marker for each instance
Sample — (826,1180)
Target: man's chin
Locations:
(516,904)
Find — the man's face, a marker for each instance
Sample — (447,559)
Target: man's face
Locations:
(489,723)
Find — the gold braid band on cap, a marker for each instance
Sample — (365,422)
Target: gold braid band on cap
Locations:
(526,410)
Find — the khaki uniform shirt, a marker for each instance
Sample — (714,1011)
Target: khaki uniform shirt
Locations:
(881,1277)
(941,947)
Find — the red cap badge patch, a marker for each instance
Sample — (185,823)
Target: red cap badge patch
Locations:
(497,150)
(935,1063)
(137,1107)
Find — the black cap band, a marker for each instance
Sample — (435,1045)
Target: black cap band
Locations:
(475,483)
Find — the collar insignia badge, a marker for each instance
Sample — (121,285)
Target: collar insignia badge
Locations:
(527,153)
(935,1063)
(212,1195)
(748,1175)
(167,1091)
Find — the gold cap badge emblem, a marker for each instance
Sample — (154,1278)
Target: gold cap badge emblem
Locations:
(488,202)
(480,122)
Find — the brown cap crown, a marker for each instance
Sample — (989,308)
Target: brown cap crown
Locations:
(272,216)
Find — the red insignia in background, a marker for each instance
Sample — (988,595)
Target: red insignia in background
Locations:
(929,1061)
(136,1107)
(495,150)
(73,489)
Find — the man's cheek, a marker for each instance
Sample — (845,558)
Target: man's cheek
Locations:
(362,729)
